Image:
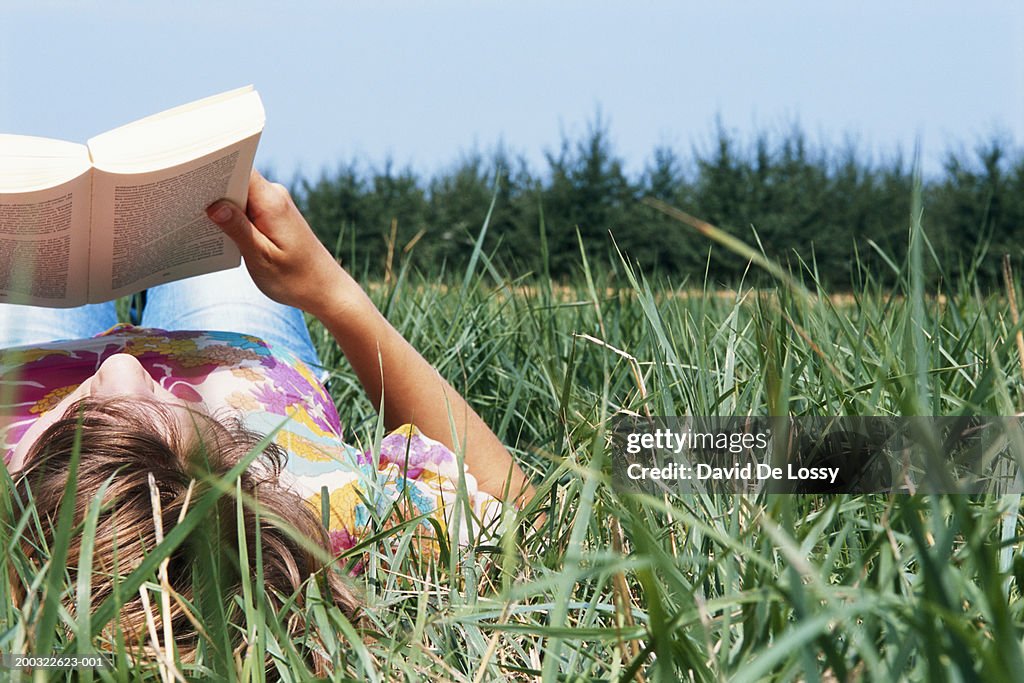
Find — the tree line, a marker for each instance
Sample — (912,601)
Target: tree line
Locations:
(831,211)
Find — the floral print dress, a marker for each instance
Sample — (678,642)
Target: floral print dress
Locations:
(270,389)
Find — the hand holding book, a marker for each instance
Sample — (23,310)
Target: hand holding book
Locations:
(283,255)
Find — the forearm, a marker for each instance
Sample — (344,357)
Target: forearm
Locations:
(413,391)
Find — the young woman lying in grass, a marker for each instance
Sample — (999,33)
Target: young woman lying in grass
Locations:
(218,362)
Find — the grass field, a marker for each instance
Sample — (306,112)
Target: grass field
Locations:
(745,588)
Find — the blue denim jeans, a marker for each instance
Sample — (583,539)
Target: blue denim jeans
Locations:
(226,301)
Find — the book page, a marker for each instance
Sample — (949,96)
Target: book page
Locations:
(29,163)
(179,135)
(44,245)
(151,228)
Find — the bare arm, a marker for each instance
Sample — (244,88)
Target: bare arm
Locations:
(291,266)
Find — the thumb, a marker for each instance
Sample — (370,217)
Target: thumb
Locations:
(235,224)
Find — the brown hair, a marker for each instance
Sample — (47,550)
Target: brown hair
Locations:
(121,442)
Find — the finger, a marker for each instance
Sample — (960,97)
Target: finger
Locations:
(233,221)
(270,206)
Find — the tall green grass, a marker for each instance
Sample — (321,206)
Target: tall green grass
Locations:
(610,587)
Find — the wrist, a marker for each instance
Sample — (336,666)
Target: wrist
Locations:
(341,299)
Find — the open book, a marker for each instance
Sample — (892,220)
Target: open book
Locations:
(89,223)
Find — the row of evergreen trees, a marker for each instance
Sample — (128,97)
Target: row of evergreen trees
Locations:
(833,207)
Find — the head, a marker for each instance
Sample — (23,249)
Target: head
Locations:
(120,375)
(124,439)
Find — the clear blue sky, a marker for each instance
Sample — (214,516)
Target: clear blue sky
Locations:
(425,82)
